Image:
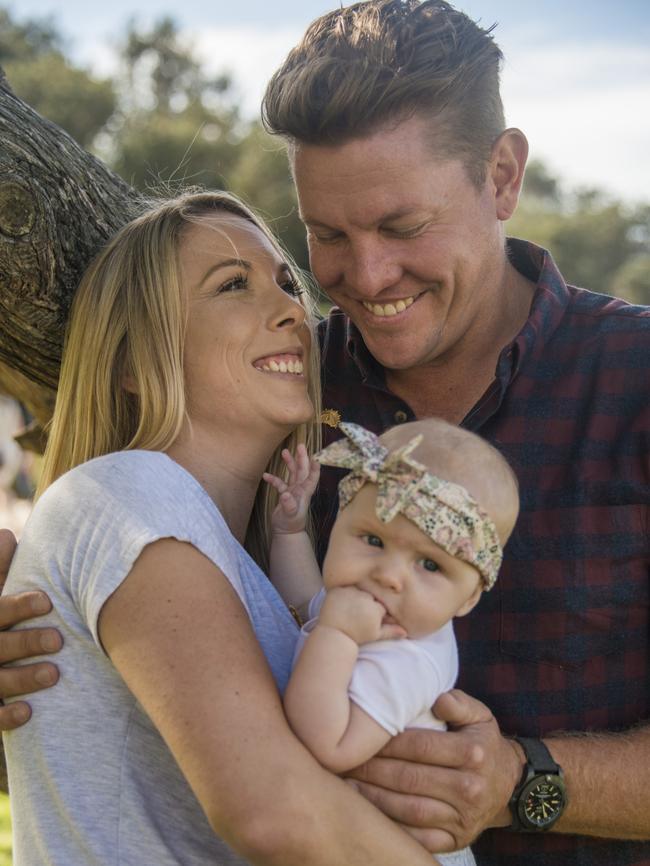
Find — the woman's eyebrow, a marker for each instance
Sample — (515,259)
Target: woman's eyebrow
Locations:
(225,263)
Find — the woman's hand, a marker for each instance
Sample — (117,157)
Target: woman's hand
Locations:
(445,787)
(22,644)
(290,515)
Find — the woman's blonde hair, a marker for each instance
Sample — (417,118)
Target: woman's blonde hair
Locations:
(127,324)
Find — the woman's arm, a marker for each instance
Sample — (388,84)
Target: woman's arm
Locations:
(180,638)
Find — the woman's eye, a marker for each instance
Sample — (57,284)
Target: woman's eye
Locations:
(373,540)
(234,284)
(292,287)
(429,565)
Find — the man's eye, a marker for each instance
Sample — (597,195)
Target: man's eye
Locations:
(324,239)
(429,565)
(234,284)
(373,540)
(406,233)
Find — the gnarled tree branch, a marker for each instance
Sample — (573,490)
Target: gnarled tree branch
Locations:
(58,205)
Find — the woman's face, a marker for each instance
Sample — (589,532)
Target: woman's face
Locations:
(247,342)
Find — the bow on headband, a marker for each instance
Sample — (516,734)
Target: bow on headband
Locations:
(441,509)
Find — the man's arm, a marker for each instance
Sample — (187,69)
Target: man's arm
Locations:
(608,782)
(458,783)
(22,644)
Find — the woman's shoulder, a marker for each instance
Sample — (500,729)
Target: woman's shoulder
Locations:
(121,472)
(136,485)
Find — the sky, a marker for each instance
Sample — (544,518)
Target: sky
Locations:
(576,78)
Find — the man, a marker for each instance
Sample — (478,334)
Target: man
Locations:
(405,174)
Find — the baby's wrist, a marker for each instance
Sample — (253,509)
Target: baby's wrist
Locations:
(338,630)
(280,532)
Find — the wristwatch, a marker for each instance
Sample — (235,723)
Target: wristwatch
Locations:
(540,796)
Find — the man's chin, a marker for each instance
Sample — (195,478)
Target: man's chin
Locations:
(394,360)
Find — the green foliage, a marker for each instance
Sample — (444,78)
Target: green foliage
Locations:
(154,150)
(172,77)
(5,831)
(176,126)
(29,39)
(31,54)
(165,122)
(261,176)
(632,280)
(597,242)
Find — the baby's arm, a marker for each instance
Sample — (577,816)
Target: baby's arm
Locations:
(293,568)
(336,731)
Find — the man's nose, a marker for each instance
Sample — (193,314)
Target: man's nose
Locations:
(370,268)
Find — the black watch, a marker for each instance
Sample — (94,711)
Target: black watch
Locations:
(540,796)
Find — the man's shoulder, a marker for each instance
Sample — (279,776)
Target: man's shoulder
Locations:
(606,308)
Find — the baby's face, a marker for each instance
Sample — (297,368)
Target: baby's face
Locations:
(421,586)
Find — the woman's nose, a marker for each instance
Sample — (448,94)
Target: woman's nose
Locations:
(288,313)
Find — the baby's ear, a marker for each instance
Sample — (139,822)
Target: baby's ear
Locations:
(471,602)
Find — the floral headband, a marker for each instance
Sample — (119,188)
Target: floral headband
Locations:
(441,509)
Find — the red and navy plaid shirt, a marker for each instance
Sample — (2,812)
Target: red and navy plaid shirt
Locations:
(562,641)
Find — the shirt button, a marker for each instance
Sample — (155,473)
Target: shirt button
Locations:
(400,416)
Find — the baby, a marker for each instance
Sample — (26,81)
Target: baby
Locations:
(423,515)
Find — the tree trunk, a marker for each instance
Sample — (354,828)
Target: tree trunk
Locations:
(58,206)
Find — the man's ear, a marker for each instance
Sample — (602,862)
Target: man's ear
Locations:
(472,601)
(507,166)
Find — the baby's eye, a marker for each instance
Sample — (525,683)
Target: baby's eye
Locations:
(234,284)
(429,565)
(373,540)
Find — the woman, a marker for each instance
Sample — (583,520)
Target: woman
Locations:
(186,370)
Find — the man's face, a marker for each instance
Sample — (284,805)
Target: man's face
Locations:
(402,241)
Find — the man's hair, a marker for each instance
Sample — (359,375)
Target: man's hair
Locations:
(379,62)
(128,319)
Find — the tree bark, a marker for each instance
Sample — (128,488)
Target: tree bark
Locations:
(58,206)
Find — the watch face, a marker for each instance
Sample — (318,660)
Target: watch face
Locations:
(542,801)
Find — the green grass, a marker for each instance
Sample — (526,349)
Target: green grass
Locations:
(5,831)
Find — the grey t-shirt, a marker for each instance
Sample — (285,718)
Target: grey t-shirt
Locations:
(91,781)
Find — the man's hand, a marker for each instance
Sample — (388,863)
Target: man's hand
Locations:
(446,787)
(23,644)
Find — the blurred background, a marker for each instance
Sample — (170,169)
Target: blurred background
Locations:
(171,96)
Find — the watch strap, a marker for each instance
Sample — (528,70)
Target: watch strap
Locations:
(539,763)
(538,756)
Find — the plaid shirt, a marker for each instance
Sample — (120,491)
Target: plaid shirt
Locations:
(562,641)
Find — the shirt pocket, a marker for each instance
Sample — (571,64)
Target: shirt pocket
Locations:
(580,592)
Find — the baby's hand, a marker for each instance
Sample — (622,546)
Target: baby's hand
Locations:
(290,515)
(356,613)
